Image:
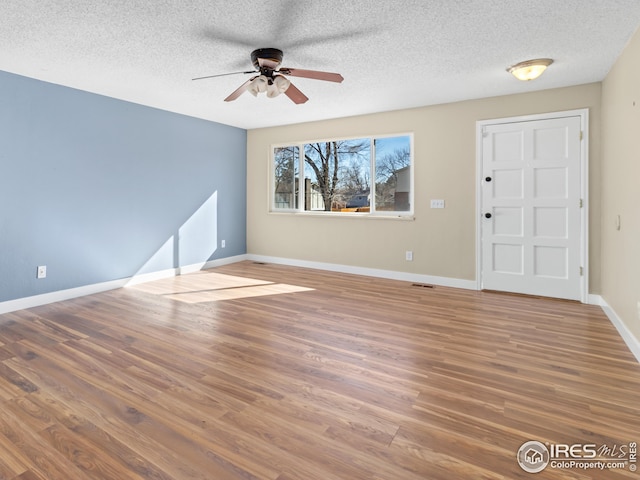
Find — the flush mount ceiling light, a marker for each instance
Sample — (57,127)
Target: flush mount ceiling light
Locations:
(530,69)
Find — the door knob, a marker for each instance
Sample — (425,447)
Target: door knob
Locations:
(487,179)
(487,215)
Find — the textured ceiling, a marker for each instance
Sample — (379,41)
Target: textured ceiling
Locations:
(393,54)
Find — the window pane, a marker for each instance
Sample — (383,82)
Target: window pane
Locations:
(286,163)
(337,176)
(393,174)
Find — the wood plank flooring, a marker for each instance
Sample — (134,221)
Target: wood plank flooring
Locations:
(254,371)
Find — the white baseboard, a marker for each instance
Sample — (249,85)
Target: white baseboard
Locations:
(61,295)
(629,338)
(593,299)
(370,272)
(174,272)
(224,261)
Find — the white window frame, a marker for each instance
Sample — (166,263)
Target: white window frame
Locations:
(408,214)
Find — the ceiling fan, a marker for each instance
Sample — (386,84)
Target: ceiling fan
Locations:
(271,77)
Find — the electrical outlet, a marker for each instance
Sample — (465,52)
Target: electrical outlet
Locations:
(223,244)
(408,255)
(639,310)
(438,203)
(42,272)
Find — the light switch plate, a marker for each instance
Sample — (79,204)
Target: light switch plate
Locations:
(437,203)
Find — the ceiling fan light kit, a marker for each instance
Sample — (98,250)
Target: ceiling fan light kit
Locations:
(529,69)
(271,79)
(272,86)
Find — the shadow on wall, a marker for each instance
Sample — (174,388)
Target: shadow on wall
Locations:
(192,245)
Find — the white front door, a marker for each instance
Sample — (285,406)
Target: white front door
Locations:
(531,224)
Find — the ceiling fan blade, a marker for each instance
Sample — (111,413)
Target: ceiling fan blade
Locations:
(295,95)
(222,75)
(288,16)
(324,39)
(298,72)
(239,91)
(219,35)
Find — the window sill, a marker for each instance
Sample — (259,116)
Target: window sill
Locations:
(359,215)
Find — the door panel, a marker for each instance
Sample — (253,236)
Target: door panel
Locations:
(507,258)
(551,222)
(508,184)
(531,225)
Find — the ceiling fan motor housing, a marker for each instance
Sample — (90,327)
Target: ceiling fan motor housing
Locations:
(271,54)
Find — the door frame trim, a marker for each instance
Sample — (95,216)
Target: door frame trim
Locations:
(583,113)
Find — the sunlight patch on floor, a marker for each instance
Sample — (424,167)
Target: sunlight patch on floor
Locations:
(212,287)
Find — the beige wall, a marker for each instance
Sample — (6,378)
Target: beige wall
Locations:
(442,241)
(621,187)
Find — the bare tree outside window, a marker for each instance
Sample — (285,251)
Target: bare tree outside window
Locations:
(286,165)
(360,176)
(336,171)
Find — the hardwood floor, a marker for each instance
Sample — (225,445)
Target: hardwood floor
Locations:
(254,371)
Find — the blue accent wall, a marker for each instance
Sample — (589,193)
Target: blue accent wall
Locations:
(99,189)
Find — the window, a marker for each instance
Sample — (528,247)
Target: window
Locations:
(371,175)
(286,163)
